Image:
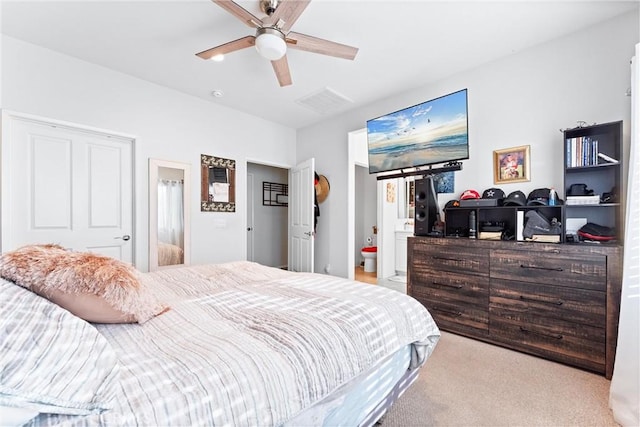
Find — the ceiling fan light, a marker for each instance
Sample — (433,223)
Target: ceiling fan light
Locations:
(270,44)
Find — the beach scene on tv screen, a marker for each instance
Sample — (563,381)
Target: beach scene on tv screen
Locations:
(428,133)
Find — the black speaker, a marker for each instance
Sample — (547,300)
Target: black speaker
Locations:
(426,211)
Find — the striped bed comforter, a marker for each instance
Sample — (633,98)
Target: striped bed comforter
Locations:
(248,345)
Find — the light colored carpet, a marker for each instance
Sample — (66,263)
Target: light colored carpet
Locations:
(470,383)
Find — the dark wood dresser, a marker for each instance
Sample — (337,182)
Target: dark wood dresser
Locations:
(557,301)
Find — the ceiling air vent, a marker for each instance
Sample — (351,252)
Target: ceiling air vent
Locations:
(324,101)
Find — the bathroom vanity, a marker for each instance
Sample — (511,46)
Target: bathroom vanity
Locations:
(401,251)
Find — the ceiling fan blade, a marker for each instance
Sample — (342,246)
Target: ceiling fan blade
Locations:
(286,14)
(281,67)
(321,46)
(239,12)
(223,49)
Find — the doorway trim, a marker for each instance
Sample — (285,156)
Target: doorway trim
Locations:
(247,222)
(351,205)
(250,215)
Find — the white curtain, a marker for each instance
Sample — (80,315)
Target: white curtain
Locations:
(170,212)
(624,398)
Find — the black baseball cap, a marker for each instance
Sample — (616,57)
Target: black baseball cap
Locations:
(539,196)
(579,190)
(493,193)
(515,198)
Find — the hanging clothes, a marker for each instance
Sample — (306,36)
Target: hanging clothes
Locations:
(316,206)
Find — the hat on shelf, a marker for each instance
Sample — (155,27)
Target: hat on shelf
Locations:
(515,198)
(579,190)
(539,196)
(493,193)
(596,232)
(470,194)
(452,204)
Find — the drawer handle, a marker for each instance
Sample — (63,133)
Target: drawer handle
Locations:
(444,310)
(447,284)
(535,267)
(447,259)
(529,331)
(557,302)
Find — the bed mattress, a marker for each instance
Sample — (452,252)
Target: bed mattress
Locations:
(248,345)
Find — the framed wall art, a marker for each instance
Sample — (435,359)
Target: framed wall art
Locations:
(512,165)
(218,184)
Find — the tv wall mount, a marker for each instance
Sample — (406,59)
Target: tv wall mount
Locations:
(447,167)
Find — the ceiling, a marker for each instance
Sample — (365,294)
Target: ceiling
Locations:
(403,44)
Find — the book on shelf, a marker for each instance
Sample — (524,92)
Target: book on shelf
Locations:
(607,158)
(546,238)
(582,151)
(519,225)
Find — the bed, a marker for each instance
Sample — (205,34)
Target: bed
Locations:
(240,345)
(169,254)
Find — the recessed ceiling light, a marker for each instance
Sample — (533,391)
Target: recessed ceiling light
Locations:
(217,58)
(217,94)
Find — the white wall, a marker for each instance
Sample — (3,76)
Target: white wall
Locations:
(520,100)
(166,125)
(270,226)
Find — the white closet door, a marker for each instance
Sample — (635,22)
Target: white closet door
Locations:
(301,213)
(67,186)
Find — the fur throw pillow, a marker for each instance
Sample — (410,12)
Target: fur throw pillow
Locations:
(94,287)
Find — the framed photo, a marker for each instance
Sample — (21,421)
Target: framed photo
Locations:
(511,165)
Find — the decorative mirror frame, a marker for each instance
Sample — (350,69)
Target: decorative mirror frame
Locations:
(154,168)
(207,202)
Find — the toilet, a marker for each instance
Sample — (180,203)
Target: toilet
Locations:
(370,254)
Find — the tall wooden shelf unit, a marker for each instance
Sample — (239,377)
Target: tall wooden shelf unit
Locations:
(560,301)
(599,175)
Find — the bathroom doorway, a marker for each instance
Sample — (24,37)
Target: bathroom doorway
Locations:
(365,221)
(385,194)
(358,166)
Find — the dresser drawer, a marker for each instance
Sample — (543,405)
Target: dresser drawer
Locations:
(571,304)
(451,287)
(588,271)
(455,316)
(573,343)
(456,259)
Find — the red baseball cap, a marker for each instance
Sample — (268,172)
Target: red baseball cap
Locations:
(470,194)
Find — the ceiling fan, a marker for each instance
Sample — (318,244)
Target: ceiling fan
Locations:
(273,35)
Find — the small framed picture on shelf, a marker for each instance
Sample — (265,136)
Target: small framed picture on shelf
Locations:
(511,165)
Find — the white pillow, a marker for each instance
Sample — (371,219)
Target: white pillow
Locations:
(52,361)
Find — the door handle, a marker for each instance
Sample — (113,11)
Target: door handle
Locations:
(308,233)
(125,237)
(249,228)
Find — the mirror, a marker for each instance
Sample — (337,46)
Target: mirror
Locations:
(218,184)
(169,216)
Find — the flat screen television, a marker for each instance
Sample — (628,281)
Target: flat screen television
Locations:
(428,133)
